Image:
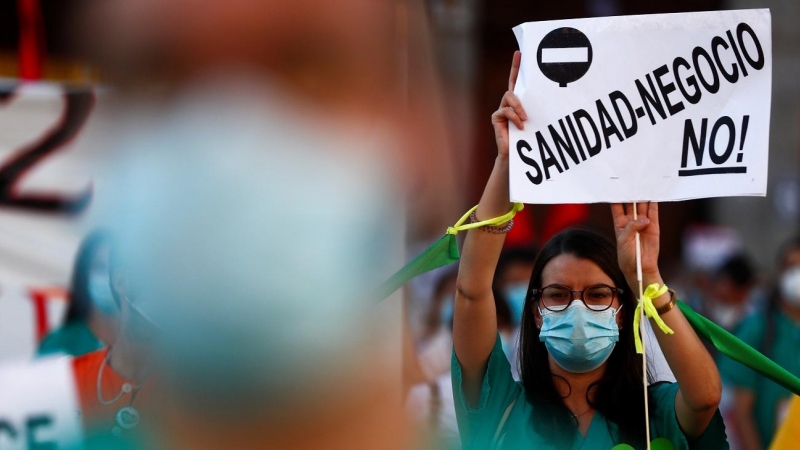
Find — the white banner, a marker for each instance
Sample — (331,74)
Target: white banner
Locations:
(39,406)
(46,188)
(636,108)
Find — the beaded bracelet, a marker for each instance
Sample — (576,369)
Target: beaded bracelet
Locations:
(501,229)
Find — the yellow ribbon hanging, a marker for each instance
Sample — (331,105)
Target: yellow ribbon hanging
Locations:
(646,302)
(494,222)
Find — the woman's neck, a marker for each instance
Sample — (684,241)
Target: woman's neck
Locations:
(576,388)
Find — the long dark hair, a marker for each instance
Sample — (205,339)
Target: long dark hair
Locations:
(80,304)
(618,394)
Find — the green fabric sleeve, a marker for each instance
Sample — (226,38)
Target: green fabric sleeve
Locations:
(664,423)
(478,423)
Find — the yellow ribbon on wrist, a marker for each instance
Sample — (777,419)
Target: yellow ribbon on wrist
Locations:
(646,303)
(494,222)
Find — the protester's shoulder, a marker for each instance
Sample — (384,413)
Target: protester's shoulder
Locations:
(497,380)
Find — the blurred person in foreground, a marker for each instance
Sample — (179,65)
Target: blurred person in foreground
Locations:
(264,332)
(262,153)
(92,318)
(759,405)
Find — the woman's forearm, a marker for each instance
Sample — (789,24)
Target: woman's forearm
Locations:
(482,250)
(693,367)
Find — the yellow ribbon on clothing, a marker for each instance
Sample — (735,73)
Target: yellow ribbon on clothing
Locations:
(646,303)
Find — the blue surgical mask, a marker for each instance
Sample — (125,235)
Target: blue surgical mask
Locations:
(100,293)
(446,311)
(579,339)
(515,295)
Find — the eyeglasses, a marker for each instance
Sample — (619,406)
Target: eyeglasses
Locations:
(556,297)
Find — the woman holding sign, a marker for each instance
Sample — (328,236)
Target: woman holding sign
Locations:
(581,378)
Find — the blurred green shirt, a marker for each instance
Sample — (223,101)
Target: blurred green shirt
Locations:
(479,426)
(784,350)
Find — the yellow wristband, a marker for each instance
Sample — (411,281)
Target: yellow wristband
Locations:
(496,221)
(646,304)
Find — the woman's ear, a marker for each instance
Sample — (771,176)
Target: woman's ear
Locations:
(537,316)
(621,315)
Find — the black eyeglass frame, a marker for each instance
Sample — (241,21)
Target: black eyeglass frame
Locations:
(537,295)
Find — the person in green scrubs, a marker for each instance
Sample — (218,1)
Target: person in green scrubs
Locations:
(758,403)
(581,378)
(92,317)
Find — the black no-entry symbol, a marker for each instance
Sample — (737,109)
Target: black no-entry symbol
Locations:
(564,55)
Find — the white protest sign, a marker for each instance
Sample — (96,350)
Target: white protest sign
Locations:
(636,108)
(38,406)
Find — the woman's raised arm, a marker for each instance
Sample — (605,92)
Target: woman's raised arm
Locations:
(474,322)
(700,386)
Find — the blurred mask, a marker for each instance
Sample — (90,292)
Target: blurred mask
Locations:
(100,293)
(790,286)
(515,295)
(231,216)
(137,326)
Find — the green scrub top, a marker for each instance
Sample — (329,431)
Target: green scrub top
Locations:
(769,396)
(72,339)
(479,426)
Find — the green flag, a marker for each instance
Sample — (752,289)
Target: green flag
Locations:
(441,253)
(732,347)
